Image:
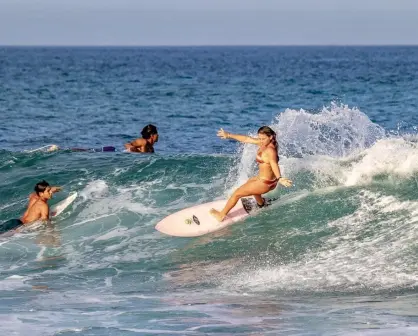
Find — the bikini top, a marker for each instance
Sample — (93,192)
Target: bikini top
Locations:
(259,159)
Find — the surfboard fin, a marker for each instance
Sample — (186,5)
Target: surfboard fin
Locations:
(247,204)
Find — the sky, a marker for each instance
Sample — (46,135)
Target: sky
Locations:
(208,22)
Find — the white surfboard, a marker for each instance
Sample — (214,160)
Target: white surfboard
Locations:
(60,207)
(197,221)
(47,148)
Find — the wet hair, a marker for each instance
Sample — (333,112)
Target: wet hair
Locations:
(266,130)
(149,130)
(41,186)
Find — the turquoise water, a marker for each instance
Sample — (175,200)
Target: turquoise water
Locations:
(336,255)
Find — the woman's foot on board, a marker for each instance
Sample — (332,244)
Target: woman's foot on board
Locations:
(217,214)
(262,205)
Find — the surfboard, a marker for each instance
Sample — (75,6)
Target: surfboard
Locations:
(197,221)
(61,206)
(53,148)
(47,148)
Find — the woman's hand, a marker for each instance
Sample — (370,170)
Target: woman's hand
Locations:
(285,182)
(223,134)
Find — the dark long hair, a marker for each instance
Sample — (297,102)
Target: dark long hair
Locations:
(266,130)
(149,130)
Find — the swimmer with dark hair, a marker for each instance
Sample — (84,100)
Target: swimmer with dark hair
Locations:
(38,208)
(146,143)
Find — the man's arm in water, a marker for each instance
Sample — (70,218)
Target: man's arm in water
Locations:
(56,189)
(136,145)
(44,209)
(130,146)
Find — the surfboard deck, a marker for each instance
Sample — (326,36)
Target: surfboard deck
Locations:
(53,148)
(197,221)
(61,206)
(47,148)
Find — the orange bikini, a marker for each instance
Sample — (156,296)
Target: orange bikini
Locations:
(271,183)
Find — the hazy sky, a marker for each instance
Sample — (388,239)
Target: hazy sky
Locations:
(208,22)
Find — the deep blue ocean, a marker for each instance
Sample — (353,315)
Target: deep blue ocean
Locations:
(337,254)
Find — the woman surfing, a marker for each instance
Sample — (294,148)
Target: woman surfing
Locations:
(269,171)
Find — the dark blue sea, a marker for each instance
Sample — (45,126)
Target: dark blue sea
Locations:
(337,254)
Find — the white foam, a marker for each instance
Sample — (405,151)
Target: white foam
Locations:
(393,156)
(13,282)
(8,205)
(94,189)
(336,131)
(55,300)
(398,331)
(157,331)
(371,248)
(13,324)
(108,202)
(316,142)
(117,232)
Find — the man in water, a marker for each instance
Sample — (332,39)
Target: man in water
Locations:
(38,208)
(146,143)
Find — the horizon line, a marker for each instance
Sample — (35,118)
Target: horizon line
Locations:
(195,45)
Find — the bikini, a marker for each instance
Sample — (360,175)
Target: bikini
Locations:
(271,183)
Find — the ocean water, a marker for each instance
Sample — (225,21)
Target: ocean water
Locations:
(336,255)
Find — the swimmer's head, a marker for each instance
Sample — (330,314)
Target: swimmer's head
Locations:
(43,189)
(150,133)
(267,136)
